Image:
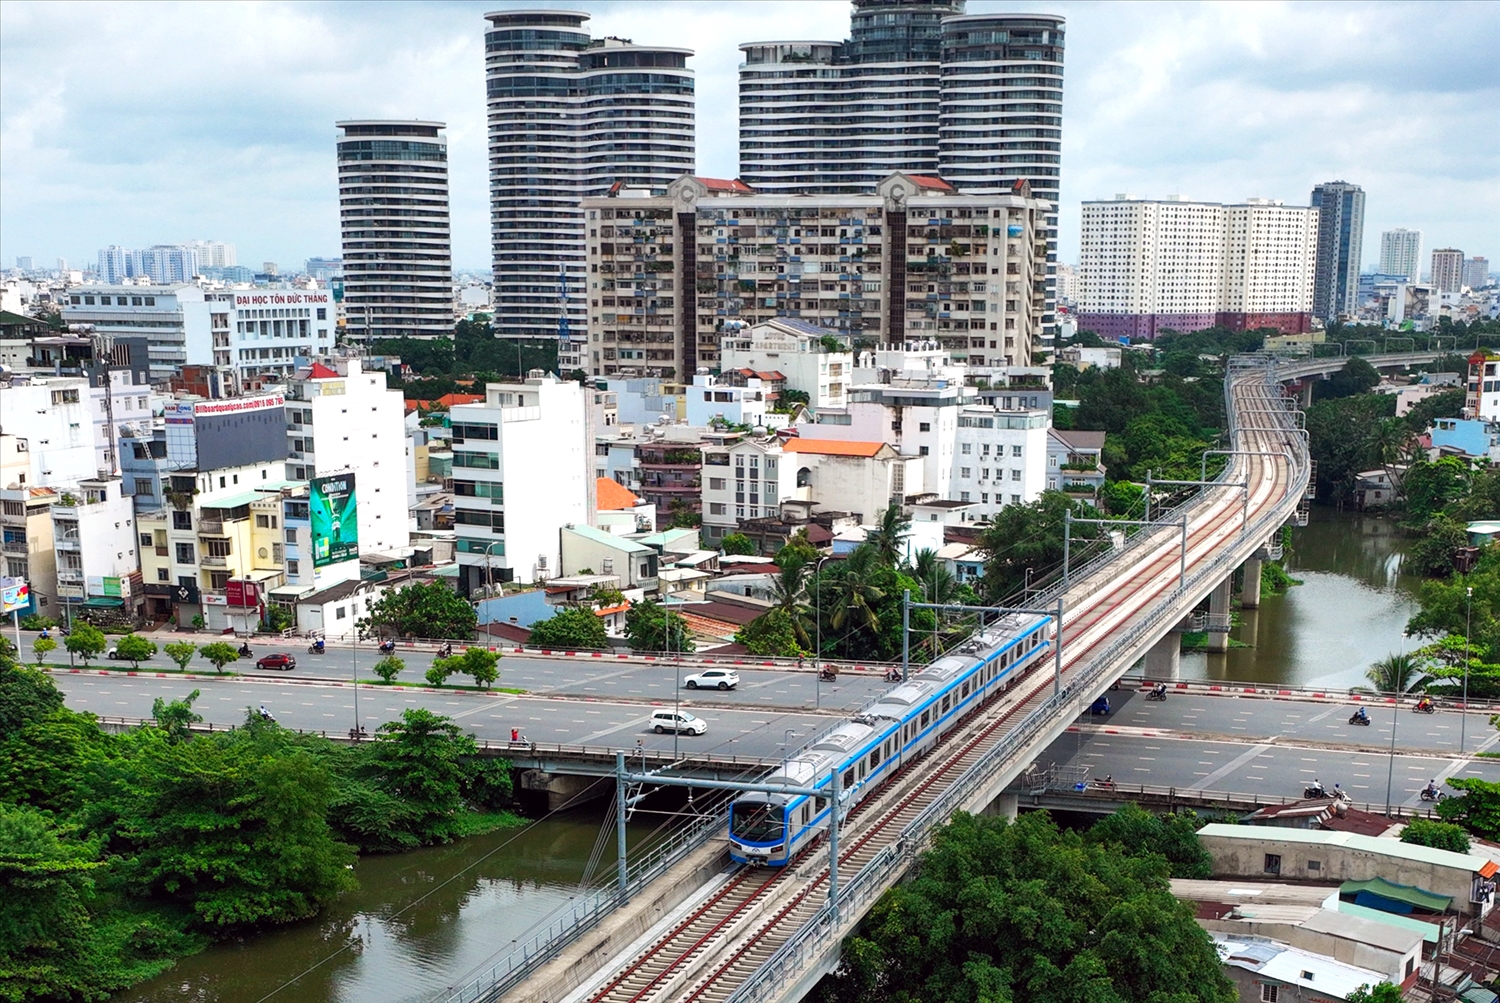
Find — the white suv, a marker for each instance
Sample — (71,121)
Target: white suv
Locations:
(724,679)
(680,720)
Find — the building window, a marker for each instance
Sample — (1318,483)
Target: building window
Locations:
(1314,865)
(1268,992)
(292,568)
(1015,450)
(218,579)
(963,496)
(1273,863)
(163,575)
(922,451)
(967,448)
(924,426)
(716,483)
(185,553)
(340,613)
(715,508)
(964,472)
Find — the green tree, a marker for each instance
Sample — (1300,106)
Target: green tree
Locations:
(86,641)
(1173,836)
(422,610)
(176,717)
(650,627)
(1432,553)
(1430,487)
(388,668)
(789,594)
(737,543)
(481,663)
(1342,441)
(181,652)
(437,672)
(1123,498)
(1003,910)
(938,583)
(42,647)
(1477,809)
(220,654)
(772,633)
(856,592)
(573,627)
(45,924)
(135,648)
(1398,673)
(236,834)
(1380,992)
(798,550)
(26,695)
(888,538)
(1357,377)
(1439,835)
(422,759)
(1030,536)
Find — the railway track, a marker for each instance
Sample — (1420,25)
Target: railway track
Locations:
(710,953)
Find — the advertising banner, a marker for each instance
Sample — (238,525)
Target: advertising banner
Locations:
(242,593)
(15,594)
(332,512)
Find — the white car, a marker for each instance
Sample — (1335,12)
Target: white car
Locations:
(724,679)
(663,721)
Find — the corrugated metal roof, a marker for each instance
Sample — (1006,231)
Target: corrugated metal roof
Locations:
(1421,898)
(1352,840)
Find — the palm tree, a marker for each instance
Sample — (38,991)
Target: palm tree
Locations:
(1389,441)
(888,535)
(1399,673)
(856,593)
(788,593)
(938,583)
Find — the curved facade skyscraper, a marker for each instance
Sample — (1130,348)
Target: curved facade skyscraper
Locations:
(919,86)
(569,117)
(393,216)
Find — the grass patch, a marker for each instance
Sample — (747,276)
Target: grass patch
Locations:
(112,667)
(1197,640)
(477,823)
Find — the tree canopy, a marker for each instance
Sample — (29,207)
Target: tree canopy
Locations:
(650,627)
(571,627)
(1001,911)
(428,609)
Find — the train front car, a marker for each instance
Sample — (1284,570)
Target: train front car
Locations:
(757,829)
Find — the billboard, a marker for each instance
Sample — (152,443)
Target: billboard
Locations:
(238,431)
(335,528)
(15,594)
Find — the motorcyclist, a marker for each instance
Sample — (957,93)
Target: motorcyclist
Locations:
(1430,791)
(1317,788)
(46,634)
(318,645)
(1425,703)
(244,650)
(387,646)
(1362,714)
(445,651)
(265,714)
(1159,691)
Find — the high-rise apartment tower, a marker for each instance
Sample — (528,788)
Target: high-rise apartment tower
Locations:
(393,214)
(1448,269)
(1341,228)
(1401,253)
(919,87)
(569,117)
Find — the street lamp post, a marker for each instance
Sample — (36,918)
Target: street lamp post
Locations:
(818,632)
(677,675)
(1464,714)
(1391,768)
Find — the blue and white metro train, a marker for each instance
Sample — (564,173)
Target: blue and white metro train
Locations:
(870,747)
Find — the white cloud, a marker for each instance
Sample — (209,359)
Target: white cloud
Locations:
(132,123)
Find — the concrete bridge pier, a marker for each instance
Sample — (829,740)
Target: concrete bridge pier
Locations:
(1218,616)
(1164,660)
(1006,805)
(565,788)
(1250,589)
(1304,394)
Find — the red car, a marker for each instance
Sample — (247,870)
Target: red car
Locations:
(276,660)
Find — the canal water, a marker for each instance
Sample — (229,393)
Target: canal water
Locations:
(1350,611)
(418,921)
(422,919)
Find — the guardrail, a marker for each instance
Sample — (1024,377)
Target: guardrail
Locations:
(1116,791)
(583,915)
(810,942)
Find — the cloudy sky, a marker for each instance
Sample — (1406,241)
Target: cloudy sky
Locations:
(134,124)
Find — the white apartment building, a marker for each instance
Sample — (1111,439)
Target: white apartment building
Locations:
(263,335)
(343,419)
(794,348)
(94,536)
(174,319)
(1000,458)
(1401,253)
(710,398)
(118,406)
(1448,269)
(520,464)
(747,479)
(51,416)
(393,216)
(861,478)
(1149,265)
(914,259)
(569,116)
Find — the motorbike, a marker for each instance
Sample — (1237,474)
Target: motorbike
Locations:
(1428,708)
(1357,718)
(827,674)
(1106,784)
(1314,792)
(316,648)
(1431,795)
(266,715)
(1157,695)
(446,651)
(893,675)
(244,651)
(387,647)
(357,733)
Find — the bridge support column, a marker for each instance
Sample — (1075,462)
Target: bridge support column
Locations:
(1250,591)
(1304,394)
(563,788)
(1006,805)
(1164,660)
(1218,616)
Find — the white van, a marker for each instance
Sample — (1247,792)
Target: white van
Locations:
(663,721)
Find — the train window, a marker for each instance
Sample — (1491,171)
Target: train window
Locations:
(874,758)
(924,718)
(946,699)
(805,811)
(861,769)
(819,804)
(848,779)
(965,689)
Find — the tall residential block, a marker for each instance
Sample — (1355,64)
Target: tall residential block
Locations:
(1477,272)
(1146,266)
(1401,253)
(1447,269)
(569,117)
(672,273)
(393,217)
(520,459)
(919,87)
(1341,230)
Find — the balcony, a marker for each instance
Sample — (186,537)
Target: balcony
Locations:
(14,547)
(210,527)
(214,562)
(69,576)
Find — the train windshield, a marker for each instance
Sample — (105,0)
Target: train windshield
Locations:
(755,821)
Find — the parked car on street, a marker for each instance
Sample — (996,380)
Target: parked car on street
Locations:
(677,720)
(276,660)
(724,679)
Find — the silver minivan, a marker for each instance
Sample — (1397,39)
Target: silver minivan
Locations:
(663,721)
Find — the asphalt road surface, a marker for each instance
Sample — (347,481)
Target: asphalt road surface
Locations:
(753,731)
